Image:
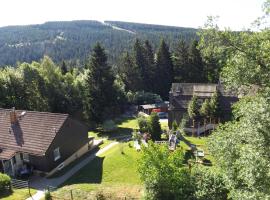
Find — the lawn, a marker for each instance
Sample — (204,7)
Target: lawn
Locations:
(18,194)
(124,126)
(114,173)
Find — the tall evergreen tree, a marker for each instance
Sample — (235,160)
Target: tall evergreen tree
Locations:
(164,71)
(129,73)
(140,62)
(154,126)
(150,66)
(196,68)
(99,90)
(181,62)
(64,68)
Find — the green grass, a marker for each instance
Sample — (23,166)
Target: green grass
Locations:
(18,194)
(112,171)
(125,126)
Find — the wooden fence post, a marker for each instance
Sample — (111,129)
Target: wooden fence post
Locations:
(71,195)
(29,189)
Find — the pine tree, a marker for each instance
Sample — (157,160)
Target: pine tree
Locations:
(193,108)
(150,66)
(154,126)
(214,105)
(64,68)
(181,62)
(196,70)
(99,90)
(205,109)
(140,63)
(164,71)
(129,73)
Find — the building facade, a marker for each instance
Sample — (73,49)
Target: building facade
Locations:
(181,94)
(39,140)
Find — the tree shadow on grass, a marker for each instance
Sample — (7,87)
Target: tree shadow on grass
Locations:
(117,134)
(188,155)
(91,173)
(6,193)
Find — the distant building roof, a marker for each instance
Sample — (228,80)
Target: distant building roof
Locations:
(200,89)
(157,105)
(32,133)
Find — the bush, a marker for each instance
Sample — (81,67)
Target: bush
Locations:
(142,122)
(142,97)
(109,125)
(48,195)
(5,183)
(210,184)
(154,127)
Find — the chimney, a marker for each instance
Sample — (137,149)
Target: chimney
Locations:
(13,116)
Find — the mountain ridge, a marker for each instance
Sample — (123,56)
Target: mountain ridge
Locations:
(72,40)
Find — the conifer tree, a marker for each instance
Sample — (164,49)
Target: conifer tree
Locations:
(154,126)
(196,69)
(64,68)
(164,71)
(150,66)
(99,90)
(193,108)
(129,73)
(205,109)
(140,63)
(181,64)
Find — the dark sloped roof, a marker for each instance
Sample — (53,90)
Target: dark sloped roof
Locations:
(200,89)
(33,133)
(6,154)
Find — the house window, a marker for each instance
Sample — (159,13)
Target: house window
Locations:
(56,154)
(25,157)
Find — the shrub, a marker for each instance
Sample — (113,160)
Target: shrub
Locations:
(109,125)
(142,122)
(210,184)
(142,97)
(48,195)
(154,127)
(5,183)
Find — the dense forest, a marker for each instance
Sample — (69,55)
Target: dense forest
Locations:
(72,41)
(99,89)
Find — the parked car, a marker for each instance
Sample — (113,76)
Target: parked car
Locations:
(162,115)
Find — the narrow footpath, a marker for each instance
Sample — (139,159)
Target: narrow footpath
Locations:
(42,183)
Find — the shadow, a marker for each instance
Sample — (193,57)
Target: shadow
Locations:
(207,162)
(188,155)
(121,120)
(91,173)
(118,134)
(6,193)
(74,163)
(18,133)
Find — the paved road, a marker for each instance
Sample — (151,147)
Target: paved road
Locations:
(41,184)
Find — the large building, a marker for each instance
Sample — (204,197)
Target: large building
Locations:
(181,94)
(41,140)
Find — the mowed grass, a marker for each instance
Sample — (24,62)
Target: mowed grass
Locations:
(114,172)
(124,126)
(18,194)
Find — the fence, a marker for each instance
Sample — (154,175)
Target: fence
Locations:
(72,195)
(20,184)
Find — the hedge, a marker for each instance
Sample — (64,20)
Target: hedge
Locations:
(5,183)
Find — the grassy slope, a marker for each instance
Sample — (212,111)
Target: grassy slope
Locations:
(111,172)
(18,194)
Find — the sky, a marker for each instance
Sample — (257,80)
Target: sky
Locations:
(235,14)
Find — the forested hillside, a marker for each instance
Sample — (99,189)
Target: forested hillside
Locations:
(72,41)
